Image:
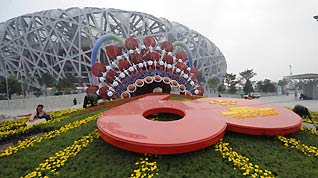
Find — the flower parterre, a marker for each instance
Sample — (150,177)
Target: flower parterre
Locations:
(36,139)
(13,124)
(294,143)
(58,116)
(310,130)
(241,162)
(51,165)
(146,167)
(314,115)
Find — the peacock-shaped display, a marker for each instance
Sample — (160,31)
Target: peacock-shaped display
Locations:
(141,67)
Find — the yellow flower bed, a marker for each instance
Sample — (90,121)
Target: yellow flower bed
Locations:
(314,115)
(12,124)
(241,162)
(36,139)
(310,130)
(51,165)
(146,167)
(23,128)
(293,143)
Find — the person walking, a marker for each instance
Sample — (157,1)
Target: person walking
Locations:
(75,101)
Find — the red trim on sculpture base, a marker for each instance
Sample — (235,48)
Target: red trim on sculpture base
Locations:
(263,131)
(162,149)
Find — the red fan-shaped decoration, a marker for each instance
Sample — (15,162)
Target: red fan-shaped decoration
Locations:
(110,76)
(123,64)
(103,92)
(92,89)
(98,69)
(181,66)
(150,41)
(167,46)
(113,51)
(168,59)
(200,89)
(136,58)
(182,55)
(153,56)
(131,43)
(195,72)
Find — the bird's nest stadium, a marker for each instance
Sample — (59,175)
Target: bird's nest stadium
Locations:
(59,42)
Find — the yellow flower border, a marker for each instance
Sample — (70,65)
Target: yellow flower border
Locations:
(294,143)
(36,139)
(241,162)
(146,167)
(310,130)
(54,163)
(23,128)
(13,124)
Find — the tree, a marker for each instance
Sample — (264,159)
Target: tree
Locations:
(201,78)
(259,85)
(248,88)
(221,88)
(230,80)
(213,82)
(67,83)
(283,83)
(14,87)
(247,74)
(47,80)
(267,86)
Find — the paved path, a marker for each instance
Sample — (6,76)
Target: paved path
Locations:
(284,100)
(25,106)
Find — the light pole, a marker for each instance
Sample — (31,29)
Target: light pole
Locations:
(290,70)
(7,85)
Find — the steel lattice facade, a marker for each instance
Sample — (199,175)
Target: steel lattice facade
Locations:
(59,42)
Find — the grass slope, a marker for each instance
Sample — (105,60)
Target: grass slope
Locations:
(101,159)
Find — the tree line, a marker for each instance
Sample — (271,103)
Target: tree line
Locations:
(232,81)
(46,80)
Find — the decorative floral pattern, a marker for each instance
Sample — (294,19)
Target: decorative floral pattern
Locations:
(51,165)
(146,167)
(18,127)
(294,143)
(241,162)
(36,139)
(310,130)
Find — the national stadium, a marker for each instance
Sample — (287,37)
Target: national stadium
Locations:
(59,42)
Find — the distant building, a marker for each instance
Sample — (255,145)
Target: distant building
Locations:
(310,84)
(59,42)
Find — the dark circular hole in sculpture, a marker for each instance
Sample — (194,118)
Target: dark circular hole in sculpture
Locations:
(149,88)
(163,114)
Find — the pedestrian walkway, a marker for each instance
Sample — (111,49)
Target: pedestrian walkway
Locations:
(20,107)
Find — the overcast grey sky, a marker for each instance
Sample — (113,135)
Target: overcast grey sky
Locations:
(264,35)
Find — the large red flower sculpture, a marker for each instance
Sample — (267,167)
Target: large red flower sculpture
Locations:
(204,122)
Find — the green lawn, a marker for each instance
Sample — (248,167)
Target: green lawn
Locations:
(101,159)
